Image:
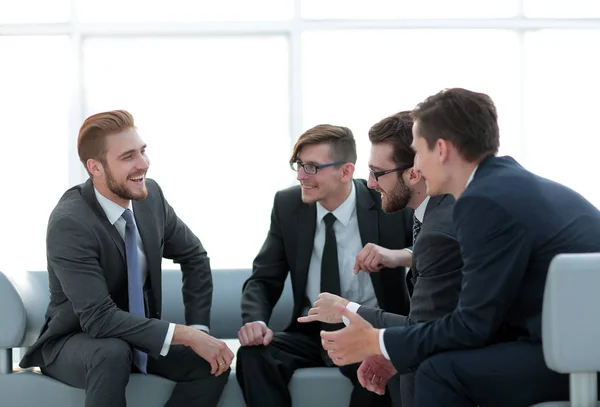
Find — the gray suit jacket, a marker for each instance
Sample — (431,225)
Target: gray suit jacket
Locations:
(435,278)
(87,274)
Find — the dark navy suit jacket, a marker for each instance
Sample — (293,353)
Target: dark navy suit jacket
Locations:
(510,223)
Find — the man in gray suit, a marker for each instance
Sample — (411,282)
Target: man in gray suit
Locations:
(105,242)
(436,273)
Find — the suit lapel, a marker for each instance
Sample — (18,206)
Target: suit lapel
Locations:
(89,195)
(433,203)
(367,214)
(307,220)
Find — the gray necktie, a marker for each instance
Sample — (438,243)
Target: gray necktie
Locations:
(134,282)
(416,228)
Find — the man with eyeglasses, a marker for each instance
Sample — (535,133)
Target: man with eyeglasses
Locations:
(317,230)
(436,273)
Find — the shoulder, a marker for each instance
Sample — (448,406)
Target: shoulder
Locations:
(71,205)
(289,195)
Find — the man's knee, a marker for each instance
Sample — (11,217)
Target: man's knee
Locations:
(251,354)
(112,353)
(437,368)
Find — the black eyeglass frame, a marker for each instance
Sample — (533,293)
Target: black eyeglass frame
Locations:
(377,174)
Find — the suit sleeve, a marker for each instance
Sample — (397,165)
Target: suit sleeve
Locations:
(270,268)
(380,318)
(183,247)
(496,251)
(72,250)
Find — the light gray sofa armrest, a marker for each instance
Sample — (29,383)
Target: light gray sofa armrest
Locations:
(570,324)
(12,322)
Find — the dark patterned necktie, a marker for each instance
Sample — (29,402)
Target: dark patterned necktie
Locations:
(134,282)
(416,228)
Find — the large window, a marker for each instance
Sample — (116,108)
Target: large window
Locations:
(222,89)
(356,78)
(215,115)
(34,117)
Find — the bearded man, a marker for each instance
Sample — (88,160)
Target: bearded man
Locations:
(435,276)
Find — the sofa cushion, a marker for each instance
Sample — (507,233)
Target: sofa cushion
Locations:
(12,314)
(328,388)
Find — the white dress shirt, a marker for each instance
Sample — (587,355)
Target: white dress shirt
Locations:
(354,287)
(357,288)
(113,213)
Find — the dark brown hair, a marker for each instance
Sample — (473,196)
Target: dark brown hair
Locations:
(467,119)
(93,131)
(340,139)
(397,131)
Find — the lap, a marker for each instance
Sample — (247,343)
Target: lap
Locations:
(511,372)
(81,352)
(180,364)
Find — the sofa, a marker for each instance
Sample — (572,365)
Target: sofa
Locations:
(23,301)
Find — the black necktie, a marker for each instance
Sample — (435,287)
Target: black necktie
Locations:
(416,228)
(330,269)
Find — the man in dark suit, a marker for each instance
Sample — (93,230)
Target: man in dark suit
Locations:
(105,242)
(510,224)
(317,229)
(436,273)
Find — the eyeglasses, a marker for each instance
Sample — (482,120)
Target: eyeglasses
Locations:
(312,169)
(377,174)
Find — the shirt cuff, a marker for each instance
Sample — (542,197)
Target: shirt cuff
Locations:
(201,327)
(168,340)
(382,345)
(353,307)
(408,249)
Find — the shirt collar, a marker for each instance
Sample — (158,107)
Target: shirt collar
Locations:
(112,209)
(420,211)
(343,212)
(471,177)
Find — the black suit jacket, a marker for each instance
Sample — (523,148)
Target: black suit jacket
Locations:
(87,273)
(510,224)
(289,244)
(435,277)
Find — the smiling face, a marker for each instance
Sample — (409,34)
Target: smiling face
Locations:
(121,175)
(395,193)
(329,185)
(430,162)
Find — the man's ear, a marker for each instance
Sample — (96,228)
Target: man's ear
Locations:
(94,167)
(444,148)
(347,172)
(414,176)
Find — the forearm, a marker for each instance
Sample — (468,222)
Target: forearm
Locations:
(380,318)
(142,333)
(197,291)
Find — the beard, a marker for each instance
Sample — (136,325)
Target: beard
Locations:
(397,199)
(121,190)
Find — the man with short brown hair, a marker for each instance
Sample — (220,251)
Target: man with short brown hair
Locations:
(105,243)
(317,229)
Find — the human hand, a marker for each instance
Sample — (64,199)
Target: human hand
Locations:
(213,350)
(374,373)
(323,309)
(372,258)
(255,334)
(353,343)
